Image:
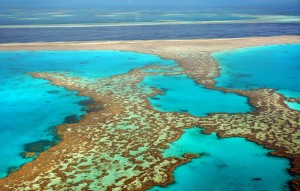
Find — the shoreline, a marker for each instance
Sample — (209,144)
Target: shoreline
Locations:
(190,55)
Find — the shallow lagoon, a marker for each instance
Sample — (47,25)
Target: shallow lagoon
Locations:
(31,107)
(293,105)
(234,163)
(276,66)
(227,164)
(183,94)
(93,64)
(231,163)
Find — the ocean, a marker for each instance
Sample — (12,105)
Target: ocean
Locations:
(227,163)
(257,67)
(231,163)
(92,25)
(26,101)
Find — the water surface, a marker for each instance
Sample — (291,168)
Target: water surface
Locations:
(229,164)
(183,94)
(276,67)
(155,32)
(31,108)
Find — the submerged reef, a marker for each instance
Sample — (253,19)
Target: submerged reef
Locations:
(119,147)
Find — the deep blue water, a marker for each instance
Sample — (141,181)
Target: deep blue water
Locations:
(30,17)
(26,101)
(100,6)
(43,22)
(276,66)
(188,31)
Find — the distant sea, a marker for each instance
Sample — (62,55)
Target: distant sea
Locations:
(57,25)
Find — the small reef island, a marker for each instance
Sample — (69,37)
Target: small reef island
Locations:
(142,122)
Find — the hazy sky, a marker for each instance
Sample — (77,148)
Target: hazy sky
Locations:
(239,5)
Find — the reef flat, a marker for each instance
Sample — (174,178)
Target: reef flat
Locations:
(120,147)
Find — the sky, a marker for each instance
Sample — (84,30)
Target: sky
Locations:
(239,5)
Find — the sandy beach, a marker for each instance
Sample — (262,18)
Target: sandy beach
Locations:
(85,148)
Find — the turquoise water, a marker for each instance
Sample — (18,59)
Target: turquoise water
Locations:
(29,110)
(229,164)
(293,105)
(183,94)
(90,64)
(276,66)
(26,101)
